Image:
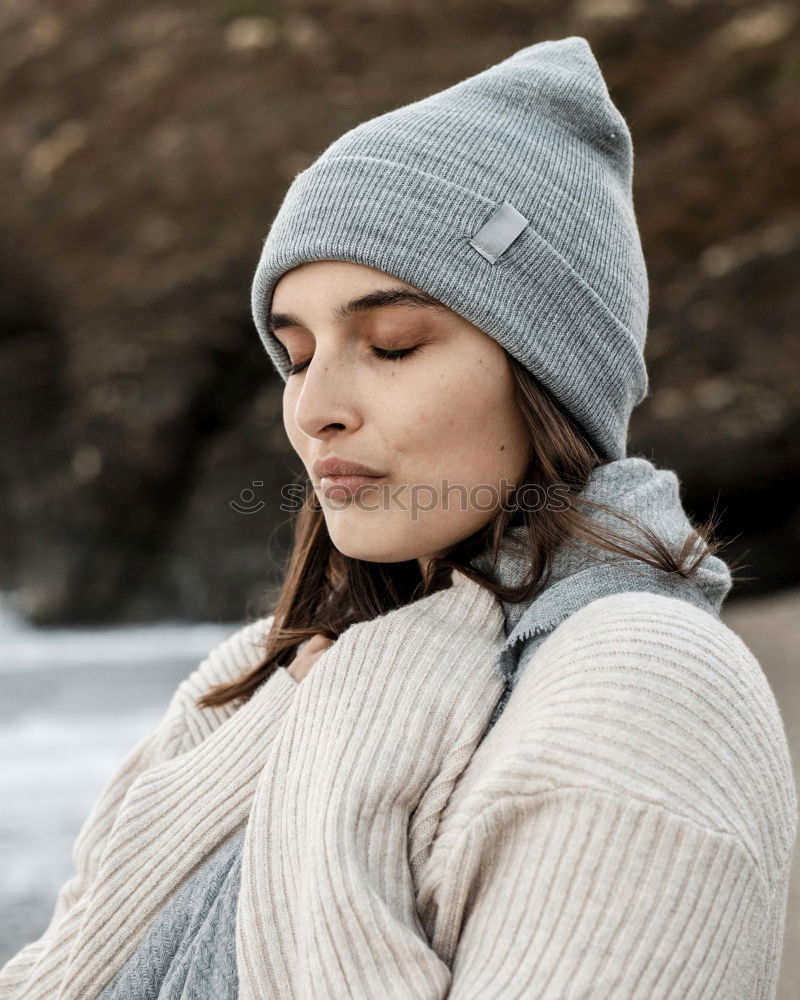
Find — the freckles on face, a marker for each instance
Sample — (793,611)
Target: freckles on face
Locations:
(460,421)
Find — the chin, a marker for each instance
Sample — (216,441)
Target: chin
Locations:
(374,543)
(378,553)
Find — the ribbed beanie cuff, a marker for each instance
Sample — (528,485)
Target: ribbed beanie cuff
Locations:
(557,277)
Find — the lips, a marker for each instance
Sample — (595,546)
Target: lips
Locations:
(342,487)
(332,467)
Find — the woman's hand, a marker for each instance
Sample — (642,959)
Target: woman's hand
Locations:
(308,656)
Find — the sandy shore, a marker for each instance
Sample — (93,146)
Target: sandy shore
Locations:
(771,628)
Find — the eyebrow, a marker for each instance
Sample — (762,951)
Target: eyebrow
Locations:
(373,300)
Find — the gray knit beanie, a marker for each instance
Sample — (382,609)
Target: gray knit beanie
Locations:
(508,198)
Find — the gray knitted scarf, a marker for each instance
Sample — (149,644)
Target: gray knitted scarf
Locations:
(581,573)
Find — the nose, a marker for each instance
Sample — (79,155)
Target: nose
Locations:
(326,401)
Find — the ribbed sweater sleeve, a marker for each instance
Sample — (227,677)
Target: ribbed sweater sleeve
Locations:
(381,727)
(625,830)
(163,743)
(580,894)
(36,970)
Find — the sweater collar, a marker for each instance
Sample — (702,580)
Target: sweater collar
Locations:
(636,487)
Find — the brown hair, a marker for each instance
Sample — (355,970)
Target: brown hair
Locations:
(325,591)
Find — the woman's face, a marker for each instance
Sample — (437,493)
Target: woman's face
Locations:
(439,427)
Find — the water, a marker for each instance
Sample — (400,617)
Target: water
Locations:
(72,704)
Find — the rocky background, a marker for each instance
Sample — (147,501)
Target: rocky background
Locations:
(144,149)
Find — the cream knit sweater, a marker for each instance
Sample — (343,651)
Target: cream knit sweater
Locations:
(624,830)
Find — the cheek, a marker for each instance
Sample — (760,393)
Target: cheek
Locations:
(455,421)
(422,415)
(488,437)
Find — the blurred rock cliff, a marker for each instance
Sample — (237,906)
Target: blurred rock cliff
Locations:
(143,152)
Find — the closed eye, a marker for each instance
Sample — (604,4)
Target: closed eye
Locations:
(379,352)
(395,355)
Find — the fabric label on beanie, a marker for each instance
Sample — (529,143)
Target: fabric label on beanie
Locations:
(496,236)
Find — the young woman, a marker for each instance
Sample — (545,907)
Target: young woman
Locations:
(493,741)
